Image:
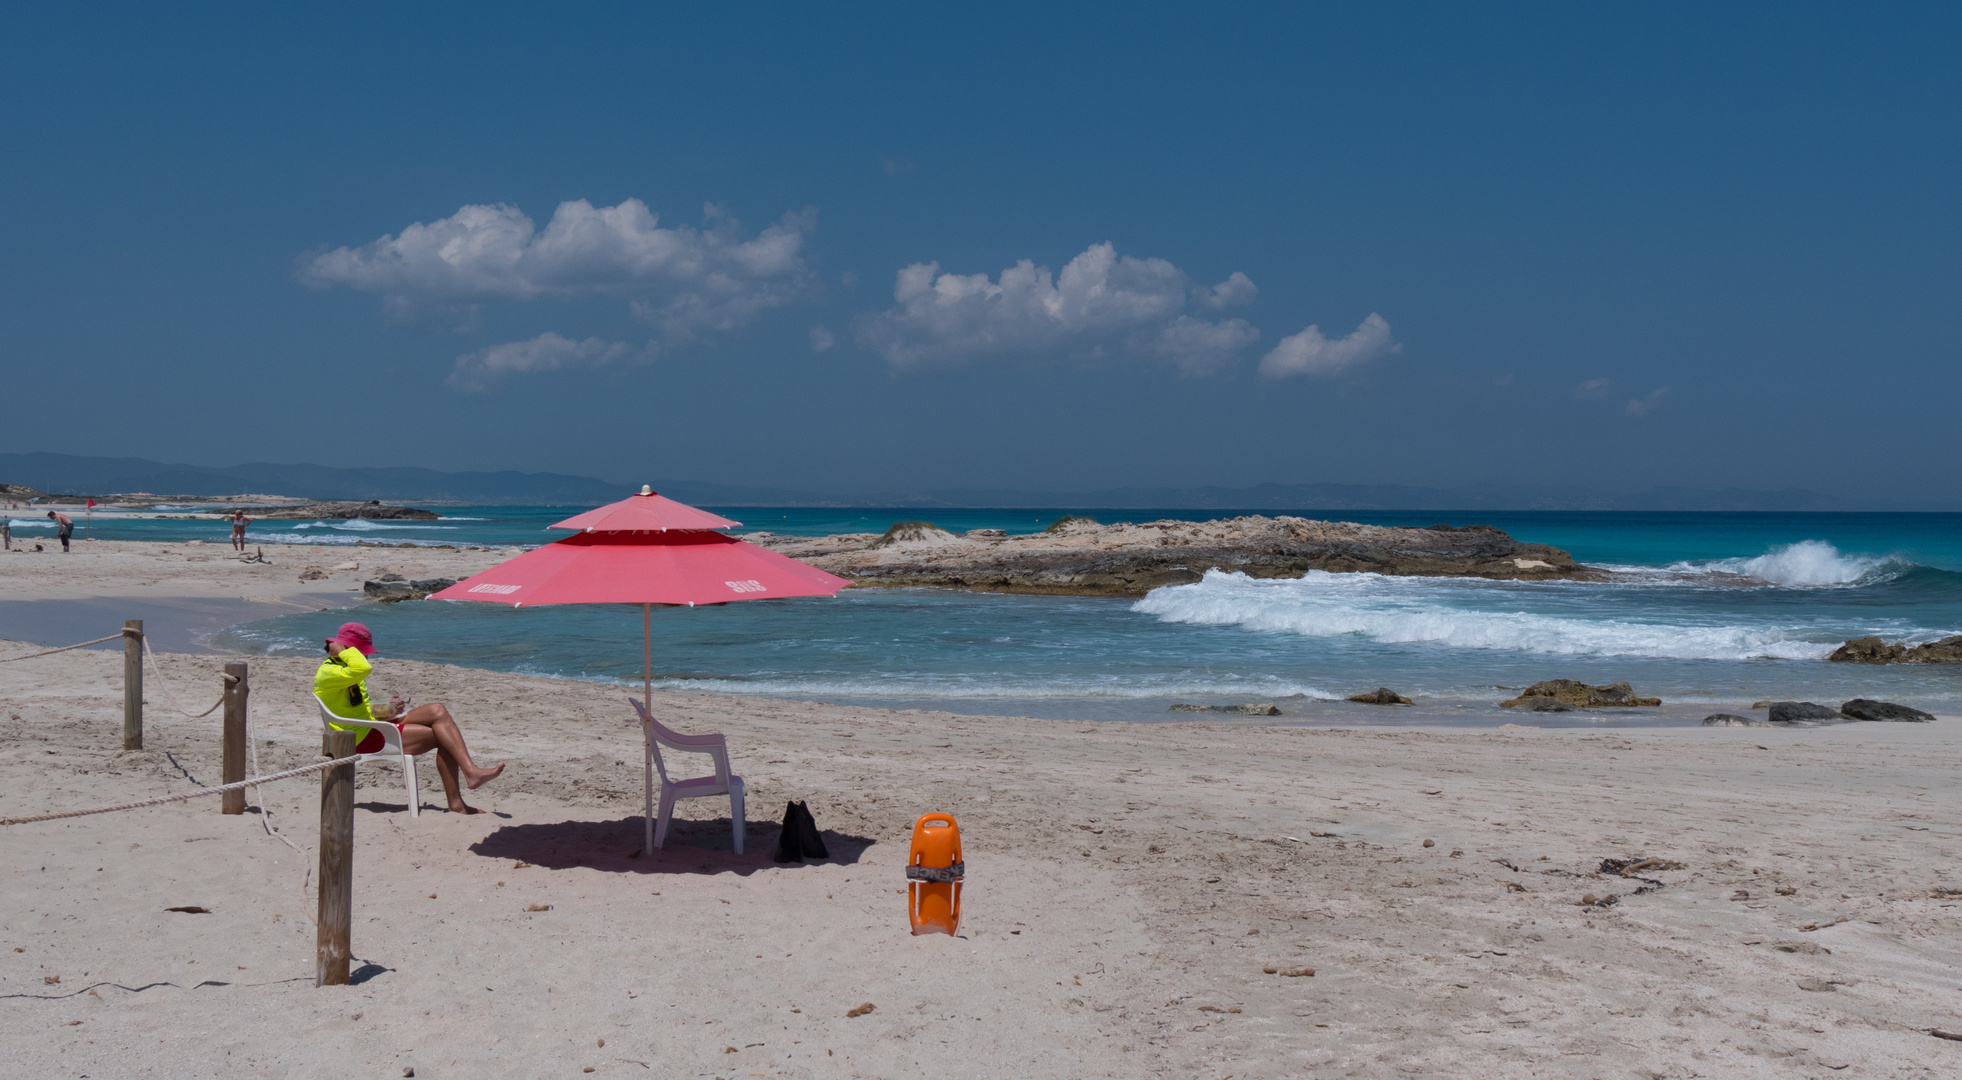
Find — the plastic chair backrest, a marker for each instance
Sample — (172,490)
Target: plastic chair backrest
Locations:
(715,746)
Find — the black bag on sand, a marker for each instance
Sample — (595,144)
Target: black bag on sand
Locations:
(799,837)
(807,834)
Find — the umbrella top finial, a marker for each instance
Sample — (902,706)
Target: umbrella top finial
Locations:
(646,489)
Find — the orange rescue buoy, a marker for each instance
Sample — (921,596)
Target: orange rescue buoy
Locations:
(934,869)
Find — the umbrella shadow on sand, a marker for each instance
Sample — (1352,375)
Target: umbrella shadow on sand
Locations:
(693,847)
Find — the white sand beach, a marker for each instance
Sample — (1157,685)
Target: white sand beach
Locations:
(1127,885)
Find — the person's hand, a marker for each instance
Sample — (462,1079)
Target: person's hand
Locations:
(398,705)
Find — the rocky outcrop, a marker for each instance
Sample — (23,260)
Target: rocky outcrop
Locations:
(1868,709)
(1382,695)
(1872,650)
(1560,695)
(392,587)
(1262,709)
(1079,557)
(373,511)
(1801,712)
(1724,719)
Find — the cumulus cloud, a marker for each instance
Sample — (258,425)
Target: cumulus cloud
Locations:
(1101,305)
(1236,290)
(1594,388)
(547,352)
(1310,353)
(1647,403)
(684,279)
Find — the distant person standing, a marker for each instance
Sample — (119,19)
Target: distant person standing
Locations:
(64,527)
(239,522)
(6,533)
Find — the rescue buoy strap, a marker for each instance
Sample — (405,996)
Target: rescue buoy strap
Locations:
(941,874)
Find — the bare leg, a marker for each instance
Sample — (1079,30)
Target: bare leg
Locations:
(452,790)
(430,727)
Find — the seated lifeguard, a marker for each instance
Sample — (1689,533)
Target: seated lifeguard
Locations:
(341,684)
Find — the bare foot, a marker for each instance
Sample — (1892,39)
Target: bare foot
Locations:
(461,807)
(484,776)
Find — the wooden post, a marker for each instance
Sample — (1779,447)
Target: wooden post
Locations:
(133,684)
(234,768)
(336,863)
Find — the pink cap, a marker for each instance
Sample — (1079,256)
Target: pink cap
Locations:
(356,635)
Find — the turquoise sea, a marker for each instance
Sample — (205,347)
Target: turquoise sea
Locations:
(1705,608)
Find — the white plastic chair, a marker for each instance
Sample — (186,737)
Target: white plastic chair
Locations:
(723,782)
(391,748)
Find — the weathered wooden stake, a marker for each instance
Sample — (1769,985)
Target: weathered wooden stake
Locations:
(234,769)
(133,684)
(336,862)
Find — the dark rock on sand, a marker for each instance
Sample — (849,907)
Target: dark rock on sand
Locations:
(1557,695)
(1872,650)
(1801,712)
(1382,695)
(1262,709)
(393,587)
(1724,719)
(1868,709)
(345,511)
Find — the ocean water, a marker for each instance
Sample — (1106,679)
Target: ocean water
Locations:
(1716,609)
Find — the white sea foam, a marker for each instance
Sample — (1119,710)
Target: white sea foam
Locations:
(1806,564)
(1454,613)
(365,525)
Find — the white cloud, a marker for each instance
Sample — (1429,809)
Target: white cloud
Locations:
(1102,304)
(1647,403)
(822,339)
(1236,290)
(683,279)
(1309,353)
(1594,388)
(546,352)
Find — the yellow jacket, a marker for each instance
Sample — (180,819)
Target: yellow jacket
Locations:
(339,683)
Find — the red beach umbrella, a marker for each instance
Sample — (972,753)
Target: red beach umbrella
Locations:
(646,550)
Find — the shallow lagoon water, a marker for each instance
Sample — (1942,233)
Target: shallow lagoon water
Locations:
(1716,610)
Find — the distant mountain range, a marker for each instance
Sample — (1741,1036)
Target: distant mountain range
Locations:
(67,474)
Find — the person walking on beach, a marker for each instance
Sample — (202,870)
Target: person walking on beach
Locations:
(239,522)
(340,684)
(64,527)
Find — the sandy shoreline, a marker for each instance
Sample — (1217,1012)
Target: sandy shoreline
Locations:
(1128,883)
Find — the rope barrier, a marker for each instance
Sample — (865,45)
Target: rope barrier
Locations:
(252,749)
(315,767)
(157,670)
(64,648)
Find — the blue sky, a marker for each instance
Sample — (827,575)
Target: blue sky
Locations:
(1014,246)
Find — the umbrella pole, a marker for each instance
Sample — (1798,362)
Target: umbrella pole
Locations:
(647,699)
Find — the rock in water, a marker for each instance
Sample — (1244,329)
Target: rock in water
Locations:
(1550,695)
(1872,650)
(1801,712)
(1724,719)
(391,587)
(1261,709)
(1382,695)
(1866,709)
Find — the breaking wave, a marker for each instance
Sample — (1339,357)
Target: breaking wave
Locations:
(1808,564)
(1463,614)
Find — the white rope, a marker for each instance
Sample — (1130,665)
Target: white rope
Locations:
(315,767)
(64,648)
(157,670)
